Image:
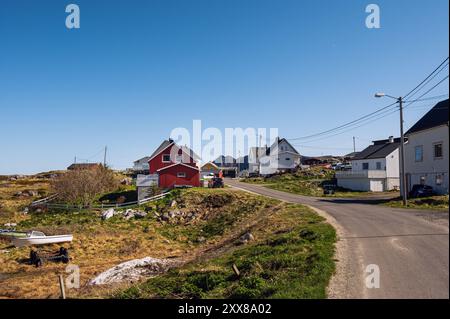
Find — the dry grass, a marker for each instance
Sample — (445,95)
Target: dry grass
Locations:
(99,245)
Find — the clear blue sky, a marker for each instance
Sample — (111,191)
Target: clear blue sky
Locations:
(137,69)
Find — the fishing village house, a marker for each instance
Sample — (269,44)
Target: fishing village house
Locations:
(170,166)
(426,152)
(374,169)
(279,158)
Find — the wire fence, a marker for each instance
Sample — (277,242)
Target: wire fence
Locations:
(47,202)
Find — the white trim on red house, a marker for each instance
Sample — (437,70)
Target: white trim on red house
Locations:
(161,151)
(188,166)
(181,148)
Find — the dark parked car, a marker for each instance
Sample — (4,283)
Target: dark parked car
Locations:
(421,191)
(216,182)
(329,189)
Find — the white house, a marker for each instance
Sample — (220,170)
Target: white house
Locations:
(253,158)
(426,152)
(141,165)
(375,169)
(280,157)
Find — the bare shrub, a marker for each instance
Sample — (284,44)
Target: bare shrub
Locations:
(83,186)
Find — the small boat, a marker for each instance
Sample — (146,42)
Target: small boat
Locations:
(39,238)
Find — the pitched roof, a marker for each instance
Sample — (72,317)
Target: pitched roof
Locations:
(161,147)
(166,143)
(437,116)
(379,149)
(143,159)
(279,141)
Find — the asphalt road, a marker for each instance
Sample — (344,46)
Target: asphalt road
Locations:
(410,247)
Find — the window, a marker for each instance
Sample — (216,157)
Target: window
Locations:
(288,158)
(438,180)
(365,166)
(438,150)
(418,151)
(166,158)
(181,174)
(378,165)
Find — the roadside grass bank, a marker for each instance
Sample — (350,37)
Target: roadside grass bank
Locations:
(304,182)
(291,256)
(427,203)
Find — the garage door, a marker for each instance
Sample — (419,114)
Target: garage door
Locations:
(376,186)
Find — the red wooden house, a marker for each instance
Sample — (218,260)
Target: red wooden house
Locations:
(175,165)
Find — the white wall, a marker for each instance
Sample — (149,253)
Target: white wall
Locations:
(430,167)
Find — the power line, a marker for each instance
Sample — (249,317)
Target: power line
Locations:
(378,112)
(345,125)
(435,86)
(406,95)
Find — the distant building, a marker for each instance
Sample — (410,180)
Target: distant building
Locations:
(254,156)
(280,157)
(141,165)
(375,169)
(208,169)
(81,166)
(426,152)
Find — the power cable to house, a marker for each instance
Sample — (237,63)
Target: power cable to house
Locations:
(381,111)
(428,77)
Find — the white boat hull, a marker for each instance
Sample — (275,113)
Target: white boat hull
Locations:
(41,240)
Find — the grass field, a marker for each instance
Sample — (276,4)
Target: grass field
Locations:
(291,257)
(306,182)
(220,217)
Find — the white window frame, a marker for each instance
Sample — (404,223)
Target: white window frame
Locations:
(181,175)
(164,161)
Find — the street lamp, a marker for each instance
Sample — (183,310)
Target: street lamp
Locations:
(402,143)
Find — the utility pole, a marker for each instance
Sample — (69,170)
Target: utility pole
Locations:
(104,157)
(354,145)
(402,155)
(403,186)
(75,160)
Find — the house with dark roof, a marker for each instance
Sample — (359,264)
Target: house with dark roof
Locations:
(280,157)
(426,152)
(374,169)
(174,165)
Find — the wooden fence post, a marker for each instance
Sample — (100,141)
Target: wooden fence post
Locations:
(61,287)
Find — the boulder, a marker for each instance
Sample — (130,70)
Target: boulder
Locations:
(201,239)
(165,217)
(248,236)
(107,214)
(139,215)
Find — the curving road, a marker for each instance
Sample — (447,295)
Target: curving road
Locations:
(410,247)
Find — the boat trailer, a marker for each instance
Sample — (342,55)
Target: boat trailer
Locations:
(37,257)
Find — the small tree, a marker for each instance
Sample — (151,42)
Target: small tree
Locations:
(83,186)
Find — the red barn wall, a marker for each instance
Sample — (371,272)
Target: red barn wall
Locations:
(168,177)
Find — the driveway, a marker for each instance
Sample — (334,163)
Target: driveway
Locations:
(409,247)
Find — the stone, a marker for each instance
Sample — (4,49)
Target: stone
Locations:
(10,225)
(165,217)
(173,203)
(201,239)
(139,215)
(248,236)
(107,214)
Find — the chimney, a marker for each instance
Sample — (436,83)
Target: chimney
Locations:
(391,139)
